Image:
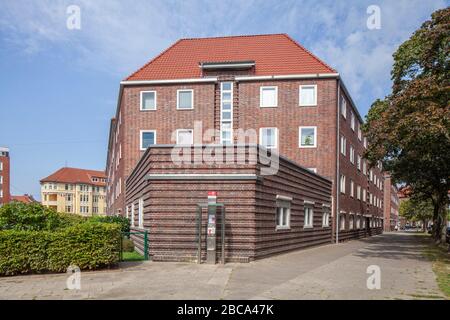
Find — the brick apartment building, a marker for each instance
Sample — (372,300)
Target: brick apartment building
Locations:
(391,204)
(5,195)
(296,103)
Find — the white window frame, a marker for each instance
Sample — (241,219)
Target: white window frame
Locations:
(192,135)
(352,120)
(358,162)
(261,137)
(300,137)
(314,104)
(312,169)
(342,184)
(132,215)
(141,132)
(222,121)
(342,221)
(343,107)
(352,154)
(261,89)
(358,192)
(285,205)
(142,100)
(343,145)
(141,213)
(308,218)
(351,221)
(178,98)
(326,216)
(352,188)
(359,132)
(1,179)
(358,221)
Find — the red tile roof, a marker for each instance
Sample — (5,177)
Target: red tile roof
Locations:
(25,198)
(74,175)
(274,54)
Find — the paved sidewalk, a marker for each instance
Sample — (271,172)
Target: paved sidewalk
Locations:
(326,272)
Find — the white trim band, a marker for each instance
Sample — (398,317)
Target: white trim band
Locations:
(169,81)
(288,76)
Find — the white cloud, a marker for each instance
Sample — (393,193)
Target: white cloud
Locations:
(119,36)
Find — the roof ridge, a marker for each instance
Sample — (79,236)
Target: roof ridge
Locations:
(309,52)
(236,36)
(154,59)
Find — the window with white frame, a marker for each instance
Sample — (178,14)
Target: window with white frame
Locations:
(352,188)
(283,214)
(364,195)
(365,142)
(268,137)
(326,216)
(359,132)
(358,221)
(309,215)
(364,167)
(148,100)
(1,179)
(127,212)
(342,184)
(141,213)
(185,99)
(358,192)
(350,221)
(352,154)
(343,107)
(342,221)
(352,120)
(132,214)
(358,162)
(343,145)
(226,112)
(308,137)
(268,97)
(1,166)
(308,95)
(185,136)
(363,221)
(148,138)
(313,169)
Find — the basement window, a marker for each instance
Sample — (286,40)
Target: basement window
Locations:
(148,100)
(283,214)
(268,97)
(308,95)
(185,99)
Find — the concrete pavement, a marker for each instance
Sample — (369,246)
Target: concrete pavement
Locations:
(326,272)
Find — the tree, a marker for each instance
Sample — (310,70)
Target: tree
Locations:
(409,130)
(416,210)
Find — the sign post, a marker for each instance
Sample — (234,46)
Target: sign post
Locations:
(211,231)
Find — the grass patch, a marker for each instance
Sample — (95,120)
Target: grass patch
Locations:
(132,256)
(441,265)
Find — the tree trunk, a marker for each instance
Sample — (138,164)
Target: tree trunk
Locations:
(437,228)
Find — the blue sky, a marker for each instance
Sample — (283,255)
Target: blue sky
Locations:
(59,87)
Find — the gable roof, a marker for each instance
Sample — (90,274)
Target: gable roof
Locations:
(75,175)
(274,54)
(26,198)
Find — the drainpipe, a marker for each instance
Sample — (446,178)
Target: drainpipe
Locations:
(338,137)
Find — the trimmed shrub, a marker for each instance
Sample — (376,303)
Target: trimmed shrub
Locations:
(127,245)
(87,245)
(122,221)
(34,216)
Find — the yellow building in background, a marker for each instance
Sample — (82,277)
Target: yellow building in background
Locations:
(73,190)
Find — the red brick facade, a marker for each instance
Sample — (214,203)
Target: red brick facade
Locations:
(5,195)
(288,116)
(391,204)
(169,206)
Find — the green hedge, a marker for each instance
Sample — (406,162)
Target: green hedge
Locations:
(34,216)
(122,221)
(87,245)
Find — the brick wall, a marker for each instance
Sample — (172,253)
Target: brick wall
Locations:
(170,207)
